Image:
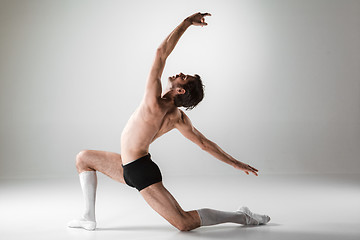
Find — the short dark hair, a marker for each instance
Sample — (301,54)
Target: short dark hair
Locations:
(194,93)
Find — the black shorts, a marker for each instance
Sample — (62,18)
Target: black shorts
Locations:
(142,173)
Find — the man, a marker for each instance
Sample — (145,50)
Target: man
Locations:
(157,114)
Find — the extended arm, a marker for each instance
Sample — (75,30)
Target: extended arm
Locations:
(153,86)
(170,41)
(190,132)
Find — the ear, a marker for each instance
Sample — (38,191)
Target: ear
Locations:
(180,90)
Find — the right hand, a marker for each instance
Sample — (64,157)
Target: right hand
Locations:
(246,168)
(198,19)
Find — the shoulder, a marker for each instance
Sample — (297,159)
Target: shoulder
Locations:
(179,115)
(174,117)
(183,120)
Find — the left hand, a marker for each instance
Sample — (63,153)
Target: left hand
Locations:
(245,167)
(198,19)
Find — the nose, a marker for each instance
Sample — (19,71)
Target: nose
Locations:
(179,75)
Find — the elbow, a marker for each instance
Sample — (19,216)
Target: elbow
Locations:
(161,53)
(205,145)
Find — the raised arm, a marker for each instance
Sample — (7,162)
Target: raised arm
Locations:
(186,128)
(153,86)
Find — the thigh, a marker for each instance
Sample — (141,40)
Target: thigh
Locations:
(108,163)
(161,200)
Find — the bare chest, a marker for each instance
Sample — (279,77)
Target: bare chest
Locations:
(166,125)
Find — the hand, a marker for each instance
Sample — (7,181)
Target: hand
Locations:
(245,167)
(198,19)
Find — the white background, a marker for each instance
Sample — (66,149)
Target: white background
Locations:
(282,83)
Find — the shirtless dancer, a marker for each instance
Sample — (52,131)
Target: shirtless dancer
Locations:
(157,114)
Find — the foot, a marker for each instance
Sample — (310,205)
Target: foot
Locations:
(82,223)
(253,218)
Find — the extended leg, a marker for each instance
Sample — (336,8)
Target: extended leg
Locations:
(165,204)
(159,198)
(87,163)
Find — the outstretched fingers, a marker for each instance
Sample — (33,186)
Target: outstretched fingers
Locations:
(205,14)
(246,168)
(251,169)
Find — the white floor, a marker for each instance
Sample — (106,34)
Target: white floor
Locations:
(301,207)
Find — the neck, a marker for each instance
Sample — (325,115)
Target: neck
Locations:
(168,96)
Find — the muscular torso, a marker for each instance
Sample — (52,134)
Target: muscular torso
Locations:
(147,123)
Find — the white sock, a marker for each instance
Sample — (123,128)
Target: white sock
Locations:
(253,218)
(88,182)
(242,216)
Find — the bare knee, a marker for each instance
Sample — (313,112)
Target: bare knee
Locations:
(184,226)
(187,223)
(82,162)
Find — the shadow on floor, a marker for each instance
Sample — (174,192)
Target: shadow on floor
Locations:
(157,228)
(271,231)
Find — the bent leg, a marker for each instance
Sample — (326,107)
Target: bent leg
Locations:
(108,163)
(160,199)
(87,163)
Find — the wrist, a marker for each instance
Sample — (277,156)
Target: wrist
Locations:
(187,22)
(233,162)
